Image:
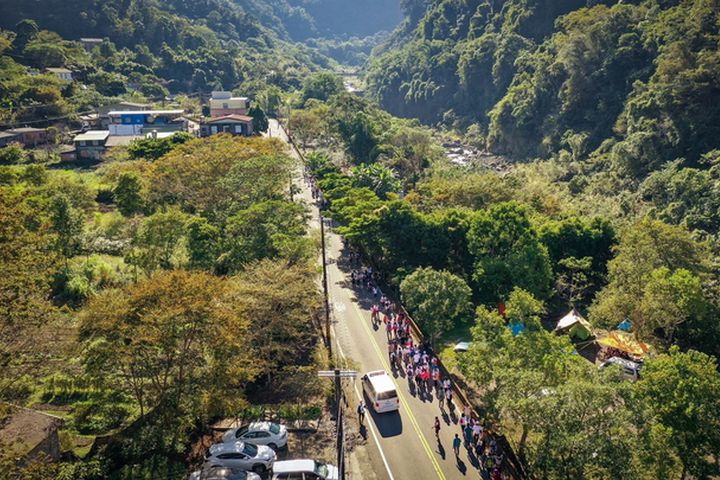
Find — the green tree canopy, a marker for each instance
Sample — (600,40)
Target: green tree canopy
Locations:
(263,231)
(657,268)
(217,176)
(438,300)
(682,390)
(177,341)
(260,120)
(508,253)
(128,194)
(321,86)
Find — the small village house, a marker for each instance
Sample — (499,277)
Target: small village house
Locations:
(90,43)
(30,136)
(104,111)
(223,104)
(233,124)
(60,72)
(27,434)
(90,145)
(141,122)
(7,138)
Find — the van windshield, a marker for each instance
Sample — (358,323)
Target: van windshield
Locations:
(390,394)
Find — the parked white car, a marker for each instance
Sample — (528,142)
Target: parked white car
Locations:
(241,455)
(304,469)
(223,473)
(271,434)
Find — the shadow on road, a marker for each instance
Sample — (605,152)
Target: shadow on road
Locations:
(440,449)
(388,424)
(461,466)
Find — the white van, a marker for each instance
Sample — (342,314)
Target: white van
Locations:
(380,390)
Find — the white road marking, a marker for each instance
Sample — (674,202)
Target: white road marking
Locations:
(372,429)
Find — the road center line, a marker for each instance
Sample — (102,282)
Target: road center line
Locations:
(423,441)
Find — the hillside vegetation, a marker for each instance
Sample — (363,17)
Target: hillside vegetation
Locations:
(634,82)
(187,46)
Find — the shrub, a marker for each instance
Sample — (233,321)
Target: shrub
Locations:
(12,154)
(99,415)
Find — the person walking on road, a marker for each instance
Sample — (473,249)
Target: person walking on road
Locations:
(456,445)
(361,412)
(436,427)
(468,431)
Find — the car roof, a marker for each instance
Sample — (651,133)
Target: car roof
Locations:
(254,426)
(381,381)
(221,473)
(219,448)
(289,466)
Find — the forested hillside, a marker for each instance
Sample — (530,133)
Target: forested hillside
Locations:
(638,79)
(188,46)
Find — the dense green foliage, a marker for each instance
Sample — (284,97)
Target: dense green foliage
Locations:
(148,48)
(151,321)
(154,148)
(634,82)
(569,420)
(437,300)
(160,291)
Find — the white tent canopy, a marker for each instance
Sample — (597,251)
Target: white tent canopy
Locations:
(572,318)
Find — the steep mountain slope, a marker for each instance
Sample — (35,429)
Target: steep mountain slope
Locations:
(641,79)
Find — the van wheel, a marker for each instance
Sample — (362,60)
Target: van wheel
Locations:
(259,468)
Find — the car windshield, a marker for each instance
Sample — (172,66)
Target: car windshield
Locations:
(249,449)
(241,431)
(321,469)
(275,428)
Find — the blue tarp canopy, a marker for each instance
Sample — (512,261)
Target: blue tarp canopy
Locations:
(625,325)
(516,328)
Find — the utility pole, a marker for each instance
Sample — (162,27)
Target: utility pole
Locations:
(325,285)
(338,374)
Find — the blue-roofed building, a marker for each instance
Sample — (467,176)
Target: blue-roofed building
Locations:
(141,122)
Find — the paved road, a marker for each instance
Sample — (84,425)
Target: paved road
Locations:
(405,441)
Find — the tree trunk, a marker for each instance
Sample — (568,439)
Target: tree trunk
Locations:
(521,444)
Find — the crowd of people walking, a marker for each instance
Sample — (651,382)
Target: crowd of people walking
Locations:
(418,364)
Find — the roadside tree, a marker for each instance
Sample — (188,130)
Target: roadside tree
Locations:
(437,300)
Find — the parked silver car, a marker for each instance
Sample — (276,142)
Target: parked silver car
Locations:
(241,455)
(222,473)
(271,434)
